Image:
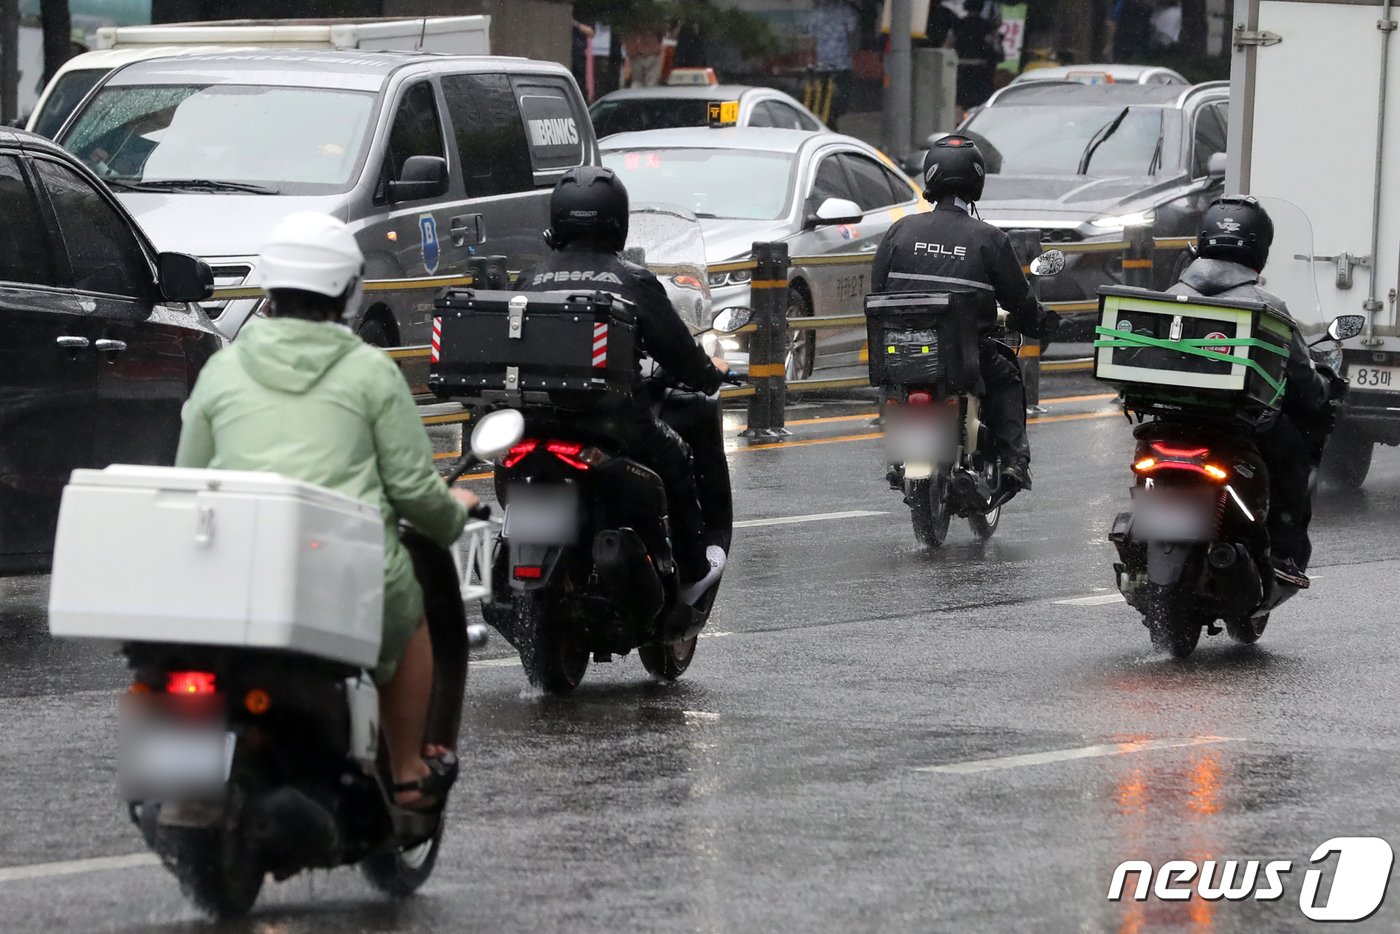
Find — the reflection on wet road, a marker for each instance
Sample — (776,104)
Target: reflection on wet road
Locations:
(872,737)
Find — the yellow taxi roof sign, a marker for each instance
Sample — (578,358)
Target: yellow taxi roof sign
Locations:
(724,113)
(692,77)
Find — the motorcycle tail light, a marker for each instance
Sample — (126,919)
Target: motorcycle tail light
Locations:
(575,455)
(920,398)
(519,452)
(1179,452)
(528,572)
(190,682)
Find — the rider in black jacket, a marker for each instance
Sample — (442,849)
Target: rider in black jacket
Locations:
(1236,233)
(947,249)
(588,228)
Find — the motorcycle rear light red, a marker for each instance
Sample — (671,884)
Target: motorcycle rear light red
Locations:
(920,398)
(190,682)
(1179,452)
(574,454)
(519,452)
(528,572)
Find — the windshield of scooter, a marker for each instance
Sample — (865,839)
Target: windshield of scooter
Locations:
(668,240)
(1291,273)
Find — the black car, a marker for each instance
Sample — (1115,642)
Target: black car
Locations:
(1084,162)
(100,341)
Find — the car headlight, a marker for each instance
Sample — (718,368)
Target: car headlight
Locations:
(1136,219)
(741,277)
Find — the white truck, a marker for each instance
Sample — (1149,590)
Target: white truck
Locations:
(115,46)
(1314,117)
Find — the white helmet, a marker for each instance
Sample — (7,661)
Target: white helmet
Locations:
(316,253)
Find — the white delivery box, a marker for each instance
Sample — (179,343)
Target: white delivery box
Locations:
(218,557)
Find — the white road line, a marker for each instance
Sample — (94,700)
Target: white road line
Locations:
(510,662)
(819,517)
(75,867)
(1098,599)
(1067,755)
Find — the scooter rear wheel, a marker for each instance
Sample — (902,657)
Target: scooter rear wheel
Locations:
(1174,631)
(552,663)
(667,662)
(214,870)
(1247,631)
(400,874)
(928,508)
(984,525)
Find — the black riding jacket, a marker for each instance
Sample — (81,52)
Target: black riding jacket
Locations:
(947,249)
(1308,392)
(661,333)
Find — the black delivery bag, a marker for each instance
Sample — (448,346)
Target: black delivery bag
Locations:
(574,348)
(925,339)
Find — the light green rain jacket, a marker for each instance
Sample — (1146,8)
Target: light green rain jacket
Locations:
(312,401)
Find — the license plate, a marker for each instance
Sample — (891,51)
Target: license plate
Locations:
(541,515)
(1163,518)
(162,761)
(1375,377)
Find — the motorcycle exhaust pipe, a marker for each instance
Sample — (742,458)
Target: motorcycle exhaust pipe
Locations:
(627,574)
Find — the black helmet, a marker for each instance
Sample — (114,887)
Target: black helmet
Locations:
(1238,229)
(589,204)
(954,165)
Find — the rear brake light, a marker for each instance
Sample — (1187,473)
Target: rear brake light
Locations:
(190,682)
(528,572)
(518,452)
(574,454)
(1179,452)
(920,398)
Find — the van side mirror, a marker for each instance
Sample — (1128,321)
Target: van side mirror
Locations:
(1216,164)
(422,177)
(182,278)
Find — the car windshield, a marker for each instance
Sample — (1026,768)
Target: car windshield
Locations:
(271,139)
(1055,140)
(648,113)
(730,183)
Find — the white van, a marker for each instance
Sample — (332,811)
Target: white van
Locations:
(121,45)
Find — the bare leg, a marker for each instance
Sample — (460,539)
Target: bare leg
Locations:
(403,711)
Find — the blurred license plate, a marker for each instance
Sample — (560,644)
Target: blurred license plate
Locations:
(919,439)
(174,761)
(541,515)
(1159,517)
(1375,377)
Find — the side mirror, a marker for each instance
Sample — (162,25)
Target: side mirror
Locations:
(422,177)
(731,319)
(496,433)
(1345,326)
(182,278)
(1215,165)
(636,255)
(836,211)
(1049,263)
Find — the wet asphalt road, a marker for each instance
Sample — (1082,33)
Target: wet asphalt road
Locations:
(785,783)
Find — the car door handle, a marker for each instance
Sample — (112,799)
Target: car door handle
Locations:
(70,342)
(467,229)
(111,346)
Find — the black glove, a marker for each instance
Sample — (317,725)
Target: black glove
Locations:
(1049,326)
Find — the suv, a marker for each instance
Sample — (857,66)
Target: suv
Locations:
(1085,162)
(431,159)
(100,339)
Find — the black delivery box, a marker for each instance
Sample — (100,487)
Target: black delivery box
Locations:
(925,338)
(575,348)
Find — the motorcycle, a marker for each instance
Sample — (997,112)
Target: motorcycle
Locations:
(1194,549)
(243,756)
(941,455)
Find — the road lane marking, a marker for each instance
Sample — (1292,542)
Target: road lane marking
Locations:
(816,517)
(1068,755)
(1098,599)
(75,867)
(841,439)
(512,661)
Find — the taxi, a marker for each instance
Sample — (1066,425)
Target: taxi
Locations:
(685,101)
(821,193)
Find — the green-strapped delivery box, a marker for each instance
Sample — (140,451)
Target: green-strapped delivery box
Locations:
(1174,352)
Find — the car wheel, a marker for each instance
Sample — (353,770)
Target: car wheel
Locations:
(376,333)
(802,345)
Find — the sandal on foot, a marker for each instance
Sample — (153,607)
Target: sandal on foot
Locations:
(433,787)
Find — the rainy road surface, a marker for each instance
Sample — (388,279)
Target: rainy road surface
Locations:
(872,737)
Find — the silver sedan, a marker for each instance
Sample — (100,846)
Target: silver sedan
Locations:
(821,193)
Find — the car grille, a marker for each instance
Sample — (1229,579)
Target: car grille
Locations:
(1061,235)
(225,277)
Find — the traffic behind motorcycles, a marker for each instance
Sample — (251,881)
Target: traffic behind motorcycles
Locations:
(249,736)
(925,350)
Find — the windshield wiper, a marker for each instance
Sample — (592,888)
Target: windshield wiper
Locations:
(1156,162)
(1099,139)
(191,184)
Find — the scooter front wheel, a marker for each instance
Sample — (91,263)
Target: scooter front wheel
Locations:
(551,661)
(1248,630)
(400,874)
(668,662)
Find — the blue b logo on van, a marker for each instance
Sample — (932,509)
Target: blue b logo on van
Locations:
(427,225)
